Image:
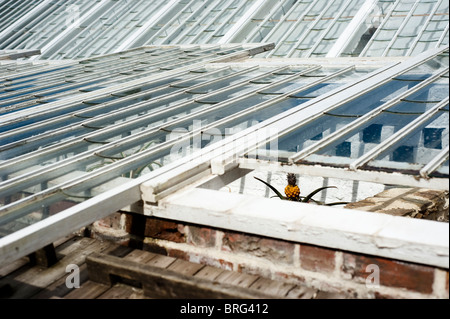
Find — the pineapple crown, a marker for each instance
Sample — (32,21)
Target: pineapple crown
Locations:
(292,180)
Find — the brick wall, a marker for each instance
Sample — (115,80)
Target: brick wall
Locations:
(352,275)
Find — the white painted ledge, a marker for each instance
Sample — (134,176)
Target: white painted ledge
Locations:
(419,241)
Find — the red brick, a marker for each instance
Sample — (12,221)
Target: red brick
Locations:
(272,249)
(392,273)
(290,277)
(201,236)
(176,253)
(164,229)
(316,258)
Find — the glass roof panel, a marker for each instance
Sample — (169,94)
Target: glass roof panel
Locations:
(417,149)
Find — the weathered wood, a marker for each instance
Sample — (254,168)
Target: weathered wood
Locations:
(33,280)
(209,273)
(44,257)
(121,291)
(137,230)
(8,269)
(236,278)
(59,287)
(162,283)
(89,290)
(140,256)
(185,267)
(161,261)
(272,287)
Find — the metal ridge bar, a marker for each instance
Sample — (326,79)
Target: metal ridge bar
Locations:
(442,36)
(400,28)
(291,29)
(275,9)
(435,163)
(74,87)
(160,98)
(328,28)
(10,211)
(242,21)
(169,23)
(349,32)
(361,120)
(423,28)
(70,28)
(285,122)
(152,20)
(199,18)
(11,185)
(18,159)
(49,107)
(25,18)
(380,27)
(309,28)
(399,135)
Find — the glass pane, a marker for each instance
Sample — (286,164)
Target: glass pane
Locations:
(419,148)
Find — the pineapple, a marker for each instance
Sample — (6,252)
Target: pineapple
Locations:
(292,191)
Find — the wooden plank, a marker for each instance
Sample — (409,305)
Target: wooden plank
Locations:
(73,244)
(162,283)
(140,256)
(7,269)
(185,267)
(161,261)
(118,250)
(236,278)
(209,273)
(89,290)
(30,282)
(274,288)
(44,257)
(59,287)
(121,291)
(14,266)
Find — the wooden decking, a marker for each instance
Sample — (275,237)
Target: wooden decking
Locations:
(110,271)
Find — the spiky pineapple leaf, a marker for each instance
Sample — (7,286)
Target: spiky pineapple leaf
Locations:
(271,187)
(310,195)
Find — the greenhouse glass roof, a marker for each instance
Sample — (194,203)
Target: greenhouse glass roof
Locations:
(107,103)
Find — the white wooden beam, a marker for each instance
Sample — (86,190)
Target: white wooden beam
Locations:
(242,21)
(351,29)
(395,178)
(153,19)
